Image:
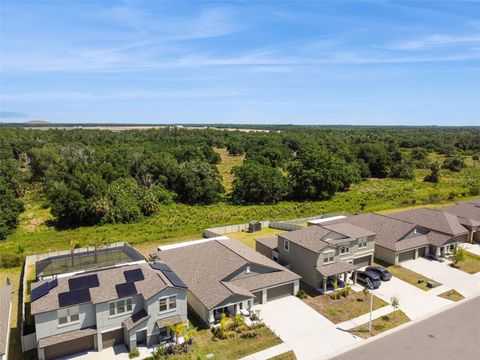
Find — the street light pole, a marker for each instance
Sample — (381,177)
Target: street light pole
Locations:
(370,285)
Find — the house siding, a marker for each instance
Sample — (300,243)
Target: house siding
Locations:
(386,255)
(264,250)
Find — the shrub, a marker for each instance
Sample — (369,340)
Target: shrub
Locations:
(133,353)
(302,294)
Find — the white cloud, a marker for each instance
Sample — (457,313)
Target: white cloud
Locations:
(434,41)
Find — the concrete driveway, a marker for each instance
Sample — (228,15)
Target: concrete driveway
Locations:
(118,352)
(414,302)
(309,334)
(465,284)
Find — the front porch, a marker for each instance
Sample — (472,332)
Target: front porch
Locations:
(230,310)
(336,275)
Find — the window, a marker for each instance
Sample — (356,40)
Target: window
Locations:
(286,245)
(344,250)
(328,258)
(68,316)
(168,303)
(362,242)
(120,307)
(163,333)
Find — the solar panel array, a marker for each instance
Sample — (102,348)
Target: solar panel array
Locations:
(39,291)
(160,266)
(126,289)
(174,279)
(84,282)
(74,297)
(52,284)
(133,275)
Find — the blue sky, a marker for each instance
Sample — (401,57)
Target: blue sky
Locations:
(282,62)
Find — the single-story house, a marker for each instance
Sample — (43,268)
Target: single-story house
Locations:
(226,276)
(468,214)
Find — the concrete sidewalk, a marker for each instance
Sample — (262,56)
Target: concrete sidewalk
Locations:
(269,353)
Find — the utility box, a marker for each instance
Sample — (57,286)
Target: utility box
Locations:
(254,226)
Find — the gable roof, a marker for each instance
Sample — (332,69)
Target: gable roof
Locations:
(468,213)
(5,301)
(271,242)
(204,267)
(349,230)
(432,219)
(309,238)
(154,282)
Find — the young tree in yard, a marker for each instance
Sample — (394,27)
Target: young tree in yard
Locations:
(395,303)
(458,256)
(98,243)
(177,330)
(434,176)
(365,293)
(73,246)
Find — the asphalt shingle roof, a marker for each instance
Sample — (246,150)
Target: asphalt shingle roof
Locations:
(309,238)
(154,282)
(467,213)
(270,242)
(204,267)
(335,268)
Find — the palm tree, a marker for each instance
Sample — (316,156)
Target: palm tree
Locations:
(177,330)
(73,246)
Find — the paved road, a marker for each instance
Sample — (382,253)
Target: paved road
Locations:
(452,334)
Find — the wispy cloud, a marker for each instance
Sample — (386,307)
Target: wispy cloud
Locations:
(13,115)
(434,41)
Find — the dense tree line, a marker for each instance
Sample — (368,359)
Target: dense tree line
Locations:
(94,177)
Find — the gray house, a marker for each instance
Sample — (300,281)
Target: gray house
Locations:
(321,253)
(5,314)
(225,276)
(131,304)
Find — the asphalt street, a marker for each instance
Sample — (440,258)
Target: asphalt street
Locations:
(449,335)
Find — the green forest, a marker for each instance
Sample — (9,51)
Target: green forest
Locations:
(102,179)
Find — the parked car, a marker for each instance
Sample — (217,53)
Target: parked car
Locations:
(384,274)
(362,277)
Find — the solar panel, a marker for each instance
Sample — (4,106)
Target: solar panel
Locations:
(174,279)
(133,275)
(83,282)
(52,284)
(160,266)
(126,289)
(74,297)
(39,291)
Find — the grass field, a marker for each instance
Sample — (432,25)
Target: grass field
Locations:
(471,264)
(249,238)
(226,166)
(290,355)
(381,324)
(452,295)
(411,277)
(177,222)
(343,309)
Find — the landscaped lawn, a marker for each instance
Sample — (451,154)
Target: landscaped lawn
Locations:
(343,309)
(229,349)
(381,324)
(249,238)
(411,277)
(452,295)
(471,264)
(290,355)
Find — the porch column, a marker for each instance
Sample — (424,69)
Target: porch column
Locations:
(354,276)
(416,254)
(324,284)
(345,276)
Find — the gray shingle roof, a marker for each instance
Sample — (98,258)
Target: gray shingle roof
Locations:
(135,320)
(432,219)
(154,282)
(349,230)
(5,301)
(175,319)
(467,213)
(65,336)
(309,238)
(270,242)
(338,267)
(204,267)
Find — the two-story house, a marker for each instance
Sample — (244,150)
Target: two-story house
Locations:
(322,253)
(131,304)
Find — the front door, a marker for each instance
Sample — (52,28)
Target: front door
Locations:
(141,337)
